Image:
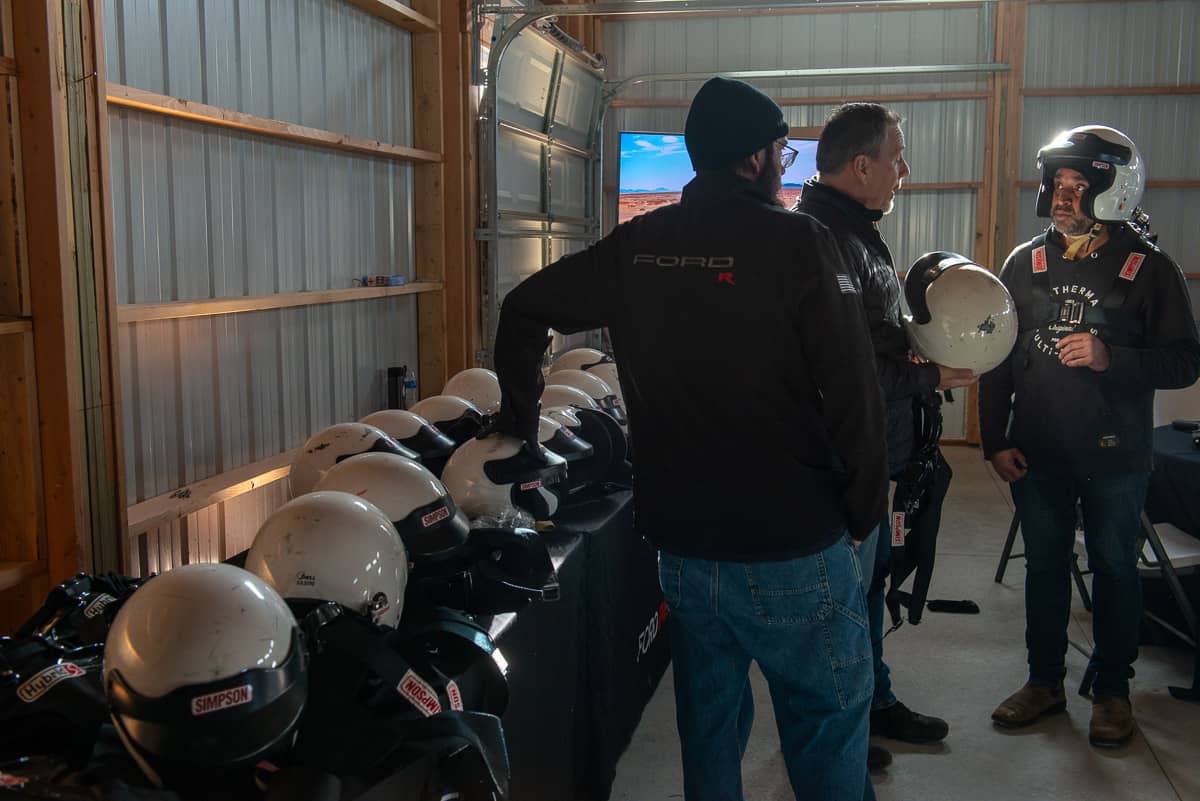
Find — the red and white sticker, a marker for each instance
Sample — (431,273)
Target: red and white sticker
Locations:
(1039,259)
(1101,165)
(531,485)
(222,699)
(1132,265)
(97,606)
(436,516)
(419,694)
(44,680)
(455,696)
(9,780)
(897,529)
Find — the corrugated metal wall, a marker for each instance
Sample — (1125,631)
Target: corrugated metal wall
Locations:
(202,212)
(945,138)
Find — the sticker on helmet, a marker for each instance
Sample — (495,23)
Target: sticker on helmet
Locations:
(436,516)
(452,692)
(44,680)
(1132,265)
(1039,260)
(305,579)
(419,694)
(1101,165)
(897,529)
(222,699)
(97,606)
(531,485)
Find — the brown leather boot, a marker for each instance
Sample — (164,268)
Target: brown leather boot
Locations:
(1028,704)
(1112,722)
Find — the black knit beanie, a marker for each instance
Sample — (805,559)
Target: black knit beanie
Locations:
(728,121)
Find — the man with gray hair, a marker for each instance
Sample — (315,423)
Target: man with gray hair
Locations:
(860,164)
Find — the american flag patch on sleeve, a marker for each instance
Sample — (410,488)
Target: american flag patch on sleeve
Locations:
(845,284)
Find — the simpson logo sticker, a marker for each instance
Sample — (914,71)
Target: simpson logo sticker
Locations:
(97,606)
(44,680)
(898,529)
(1039,260)
(1132,265)
(436,516)
(222,699)
(1101,165)
(419,694)
(452,692)
(531,485)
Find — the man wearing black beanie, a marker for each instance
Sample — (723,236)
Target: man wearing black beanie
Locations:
(756,497)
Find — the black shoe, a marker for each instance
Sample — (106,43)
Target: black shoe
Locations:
(878,757)
(898,722)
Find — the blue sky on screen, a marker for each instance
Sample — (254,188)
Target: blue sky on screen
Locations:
(658,162)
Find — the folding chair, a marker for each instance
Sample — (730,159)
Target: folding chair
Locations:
(1006,554)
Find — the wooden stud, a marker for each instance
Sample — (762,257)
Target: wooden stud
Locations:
(21,520)
(175,310)
(140,99)
(822,100)
(14,263)
(457,172)
(38,38)
(398,14)
(15,326)
(794,11)
(170,506)
(8,66)
(1110,91)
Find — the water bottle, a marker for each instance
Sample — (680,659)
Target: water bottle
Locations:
(410,387)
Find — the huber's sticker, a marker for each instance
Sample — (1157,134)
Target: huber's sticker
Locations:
(1039,260)
(1132,265)
(419,694)
(897,529)
(44,680)
(222,699)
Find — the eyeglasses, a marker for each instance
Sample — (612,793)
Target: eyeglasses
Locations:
(787,155)
(1077,190)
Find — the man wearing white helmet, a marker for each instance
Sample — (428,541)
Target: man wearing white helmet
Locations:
(762,516)
(1104,321)
(860,159)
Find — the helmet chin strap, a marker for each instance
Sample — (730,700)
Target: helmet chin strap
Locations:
(1076,242)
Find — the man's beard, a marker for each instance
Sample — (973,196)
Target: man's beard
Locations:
(770,181)
(1075,226)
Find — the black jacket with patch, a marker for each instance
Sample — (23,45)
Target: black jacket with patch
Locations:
(745,363)
(1073,417)
(865,252)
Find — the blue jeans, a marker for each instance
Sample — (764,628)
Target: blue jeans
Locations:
(805,622)
(877,550)
(1112,508)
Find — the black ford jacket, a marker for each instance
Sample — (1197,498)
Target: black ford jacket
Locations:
(745,364)
(1074,418)
(867,255)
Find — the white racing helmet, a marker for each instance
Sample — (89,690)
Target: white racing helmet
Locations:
(961,315)
(494,476)
(455,417)
(1108,159)
(333,546)
(558,396)
(557,437)
(594,387)
(606,440)
(478,385)
(333,444)
(408,495)
(592,361)
(415,433)
(204,673)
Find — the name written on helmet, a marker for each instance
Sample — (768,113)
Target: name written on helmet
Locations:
(706,262)
(97,606)
(419,694)
(436,516)
(44,680)
(222,699)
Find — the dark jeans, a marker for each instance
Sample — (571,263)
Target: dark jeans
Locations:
(804,621)
(1112,508)
(877,550)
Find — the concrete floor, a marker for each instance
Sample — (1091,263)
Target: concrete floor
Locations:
(960,667)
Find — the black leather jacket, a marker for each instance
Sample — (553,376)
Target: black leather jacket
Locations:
(745,363)
(867,255)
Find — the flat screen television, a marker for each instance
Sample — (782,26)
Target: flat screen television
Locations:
(655,167)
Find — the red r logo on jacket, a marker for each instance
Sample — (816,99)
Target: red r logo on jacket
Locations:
(725,278)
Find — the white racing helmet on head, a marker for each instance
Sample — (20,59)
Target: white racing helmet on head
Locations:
(333,546)
(415,433)
(204,673)
(595,387)
(1108,159)
(455,417)
(494,476)
(591,361)
(961,315)
(333,444)
(408,495)
(478,385)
